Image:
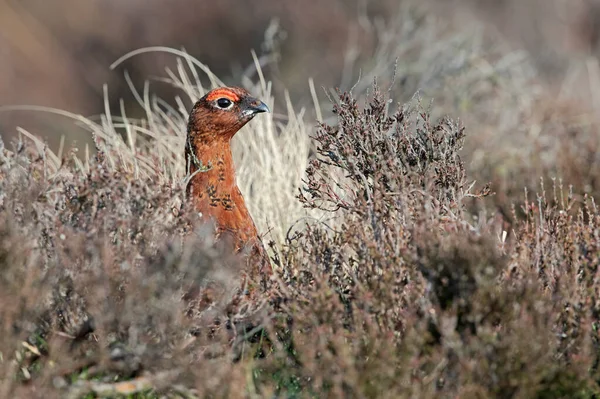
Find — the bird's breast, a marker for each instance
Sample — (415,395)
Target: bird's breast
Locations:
(221,202)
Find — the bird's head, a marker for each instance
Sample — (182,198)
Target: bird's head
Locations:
(222,112)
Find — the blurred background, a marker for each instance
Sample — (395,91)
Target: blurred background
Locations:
(57,53)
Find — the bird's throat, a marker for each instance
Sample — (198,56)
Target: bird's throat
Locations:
(213,190)
(211,164)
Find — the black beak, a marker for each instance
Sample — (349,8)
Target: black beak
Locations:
(255,106)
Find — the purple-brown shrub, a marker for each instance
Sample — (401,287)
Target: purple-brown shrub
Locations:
(400,290)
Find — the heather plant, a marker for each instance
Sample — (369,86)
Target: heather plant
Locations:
(401,292)
(408,297)
(521,129)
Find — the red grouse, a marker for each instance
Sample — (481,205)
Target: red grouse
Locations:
(212,188)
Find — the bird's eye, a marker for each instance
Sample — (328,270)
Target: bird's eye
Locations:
(224,103)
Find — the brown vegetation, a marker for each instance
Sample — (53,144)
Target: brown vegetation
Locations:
(403,294)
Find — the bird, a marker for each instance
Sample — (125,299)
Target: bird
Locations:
(212,188)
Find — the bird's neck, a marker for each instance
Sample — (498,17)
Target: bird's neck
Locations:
(213,191)
(211,164)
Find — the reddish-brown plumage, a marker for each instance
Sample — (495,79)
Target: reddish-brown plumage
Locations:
(212,187)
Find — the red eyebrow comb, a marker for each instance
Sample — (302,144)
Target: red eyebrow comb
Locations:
(222,92)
